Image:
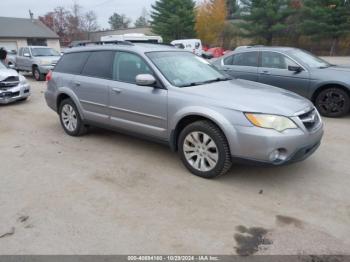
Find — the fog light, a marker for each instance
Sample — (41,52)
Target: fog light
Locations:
(274,155)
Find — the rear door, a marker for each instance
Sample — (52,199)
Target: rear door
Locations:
(274,71)
(242,65)
(92,85)
(139,109)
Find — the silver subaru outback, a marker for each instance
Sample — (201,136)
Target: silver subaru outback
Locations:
(177,98)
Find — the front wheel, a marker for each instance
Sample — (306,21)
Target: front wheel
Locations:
(333,102)
(70,118)
(204,150)
(37,75)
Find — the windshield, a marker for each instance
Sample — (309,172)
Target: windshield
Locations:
(309,59)
(44,52)
(183,69)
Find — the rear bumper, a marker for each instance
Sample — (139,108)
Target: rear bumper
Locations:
(14,94)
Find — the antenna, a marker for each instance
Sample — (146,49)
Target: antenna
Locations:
(31,14)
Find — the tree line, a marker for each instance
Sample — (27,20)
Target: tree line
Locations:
(218,22)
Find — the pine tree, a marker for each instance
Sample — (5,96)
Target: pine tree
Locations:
(173,19)
(326,19)
(265,19)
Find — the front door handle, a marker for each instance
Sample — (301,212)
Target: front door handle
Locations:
(266,72)
(77,83)
(117,90)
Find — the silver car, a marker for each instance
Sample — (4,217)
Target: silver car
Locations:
(13,86)
(174,97)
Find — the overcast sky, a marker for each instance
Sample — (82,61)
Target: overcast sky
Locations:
(103,8)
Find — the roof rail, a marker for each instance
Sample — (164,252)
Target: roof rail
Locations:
(116,42)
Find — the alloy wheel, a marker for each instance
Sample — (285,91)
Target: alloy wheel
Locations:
(332,102)
(69,118)
(200,151)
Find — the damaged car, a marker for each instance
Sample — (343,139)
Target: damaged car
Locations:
(13,86)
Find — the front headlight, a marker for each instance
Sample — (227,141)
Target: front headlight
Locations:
(22,80)
(279,123)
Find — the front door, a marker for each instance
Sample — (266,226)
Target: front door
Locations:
(139,109)
(274,71)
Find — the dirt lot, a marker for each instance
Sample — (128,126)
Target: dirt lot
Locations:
(107,193)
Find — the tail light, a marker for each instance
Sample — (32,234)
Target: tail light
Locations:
(49,76)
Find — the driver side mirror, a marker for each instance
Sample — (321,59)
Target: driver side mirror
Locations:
(26,54)
(12,66)
(296,69)
(145,80)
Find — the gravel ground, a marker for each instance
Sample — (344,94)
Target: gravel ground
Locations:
(107,193)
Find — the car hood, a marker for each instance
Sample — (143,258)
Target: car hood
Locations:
(5,73)
(248,96)
(338,69)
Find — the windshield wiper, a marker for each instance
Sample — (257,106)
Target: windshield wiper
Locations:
(219,79)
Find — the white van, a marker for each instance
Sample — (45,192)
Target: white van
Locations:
(193,45)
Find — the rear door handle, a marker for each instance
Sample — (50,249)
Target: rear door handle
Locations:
(117,90)
(266,72)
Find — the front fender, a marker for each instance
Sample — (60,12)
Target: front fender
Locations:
(219,119)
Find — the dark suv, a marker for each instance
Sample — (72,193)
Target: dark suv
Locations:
(326,85)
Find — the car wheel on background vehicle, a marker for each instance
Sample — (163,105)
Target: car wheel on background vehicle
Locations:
(204,150)
(333,102)
(70,118)
(37,75)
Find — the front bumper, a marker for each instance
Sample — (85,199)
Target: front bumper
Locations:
(12,94)
(254,144)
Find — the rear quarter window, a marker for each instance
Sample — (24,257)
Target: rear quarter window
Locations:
(72,63)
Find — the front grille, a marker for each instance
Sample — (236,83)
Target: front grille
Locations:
(310,119)
(9,94)
(9,82)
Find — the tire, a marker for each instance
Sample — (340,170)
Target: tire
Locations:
(37,75)
(333,102)
(69,113)
(204,159)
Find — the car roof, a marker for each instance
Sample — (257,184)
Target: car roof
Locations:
(266,48)
(37,46)
(136,47)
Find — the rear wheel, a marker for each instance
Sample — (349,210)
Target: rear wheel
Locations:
(333,102)
(37,75)
(204,150)
(70,118)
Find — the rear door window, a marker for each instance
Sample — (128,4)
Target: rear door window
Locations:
(243,59)
(99,64)
(72,63)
